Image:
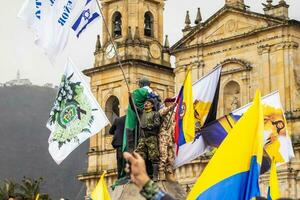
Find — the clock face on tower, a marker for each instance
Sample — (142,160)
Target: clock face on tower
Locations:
(110,51)
(155,50)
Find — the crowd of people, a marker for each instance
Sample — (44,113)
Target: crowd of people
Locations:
(152,136)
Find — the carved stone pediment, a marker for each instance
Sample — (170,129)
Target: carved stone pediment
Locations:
(227,23)
(226,26)
(229,28)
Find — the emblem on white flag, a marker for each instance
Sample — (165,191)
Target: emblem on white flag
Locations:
(75,116)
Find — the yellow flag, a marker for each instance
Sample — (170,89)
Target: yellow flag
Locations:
(101,192)
(37,197)
(274,186)
(188,116)
(235,167)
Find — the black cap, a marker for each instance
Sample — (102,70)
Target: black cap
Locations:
(144,82)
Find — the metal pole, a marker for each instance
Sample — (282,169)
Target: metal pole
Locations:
(169,120)
(119,61)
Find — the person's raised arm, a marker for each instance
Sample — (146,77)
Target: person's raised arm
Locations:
(137,169)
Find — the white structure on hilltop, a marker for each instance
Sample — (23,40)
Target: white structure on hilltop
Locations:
(18,81)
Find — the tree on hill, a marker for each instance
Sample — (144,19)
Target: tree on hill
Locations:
(28,189)
(7,189)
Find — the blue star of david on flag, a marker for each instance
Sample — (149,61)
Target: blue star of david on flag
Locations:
(86,17)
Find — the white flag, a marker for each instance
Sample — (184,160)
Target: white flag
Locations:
(275,127)
(205,94)
(75,116)
(50,20)
(89,13)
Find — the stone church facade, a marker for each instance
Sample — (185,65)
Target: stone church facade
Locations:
(256,51)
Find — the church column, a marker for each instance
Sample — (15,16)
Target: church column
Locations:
(105,15)
(194,68)
(179,77)
(277,71)
(160,25)
(287,81)
(92,155)
(294,74)
(264,51)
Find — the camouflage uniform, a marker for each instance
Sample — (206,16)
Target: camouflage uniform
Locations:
(148,142)
(151,191)
(166,141)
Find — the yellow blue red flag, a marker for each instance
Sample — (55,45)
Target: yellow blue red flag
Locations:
(205,99)
(233,172)
(185,120)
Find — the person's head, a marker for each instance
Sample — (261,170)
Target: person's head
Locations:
(149,104)
(169,101)
(144,82)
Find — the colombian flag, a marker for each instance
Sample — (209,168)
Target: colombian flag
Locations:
(185,120)
(233,171)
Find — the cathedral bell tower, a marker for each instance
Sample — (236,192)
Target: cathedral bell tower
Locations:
(136,29)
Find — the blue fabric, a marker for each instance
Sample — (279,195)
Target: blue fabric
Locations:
(159,195)
(242,186)
(269,194)
(214,134)
(181,139)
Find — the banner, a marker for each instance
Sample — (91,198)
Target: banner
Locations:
(75,116)
(205,101)
(50,21)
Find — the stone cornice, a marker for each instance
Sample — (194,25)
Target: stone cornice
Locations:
(128,62)
(95,175)
(223,40)
(266,48)
(104,152)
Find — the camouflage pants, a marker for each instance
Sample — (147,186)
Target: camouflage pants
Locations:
(148,148)
(166,149)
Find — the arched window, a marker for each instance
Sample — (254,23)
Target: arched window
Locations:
(148,24)
(112,110)
(117,24)
(232,96)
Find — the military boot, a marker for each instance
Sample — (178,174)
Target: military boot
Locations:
(170,176)
(155,172)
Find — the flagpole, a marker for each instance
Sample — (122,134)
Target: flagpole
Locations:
(120,65)
(169,120)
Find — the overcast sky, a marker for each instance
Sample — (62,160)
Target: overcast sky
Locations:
(18,52)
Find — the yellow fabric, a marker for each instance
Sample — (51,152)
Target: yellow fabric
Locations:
(188,122)
(234,155)
(274,186)
(101,192)
(273,151)
(225,124)
(202,109)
